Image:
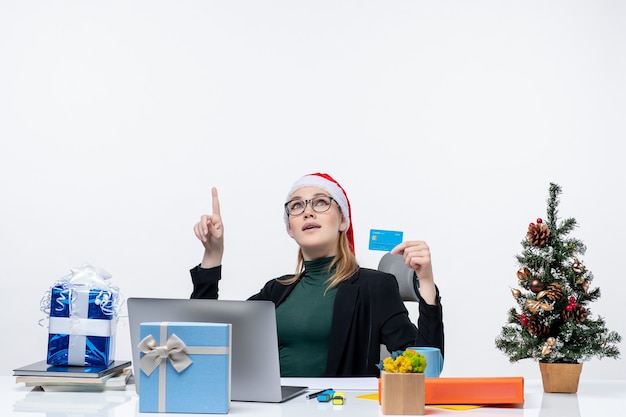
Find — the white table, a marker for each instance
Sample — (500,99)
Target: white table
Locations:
(594,399)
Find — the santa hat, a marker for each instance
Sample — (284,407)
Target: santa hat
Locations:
(336,191)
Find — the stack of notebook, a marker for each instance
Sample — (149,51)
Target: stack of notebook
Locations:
(74,378)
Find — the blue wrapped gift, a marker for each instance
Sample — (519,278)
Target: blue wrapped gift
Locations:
(82,320)
(185,367)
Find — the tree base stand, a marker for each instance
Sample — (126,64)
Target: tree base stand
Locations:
(560,377)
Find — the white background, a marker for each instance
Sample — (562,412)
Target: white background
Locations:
(446,120)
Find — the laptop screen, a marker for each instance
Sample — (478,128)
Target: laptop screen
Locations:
(255,373)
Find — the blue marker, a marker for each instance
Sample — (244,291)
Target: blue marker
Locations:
(326,396)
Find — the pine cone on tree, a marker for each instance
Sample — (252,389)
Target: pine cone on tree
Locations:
(538,234)
(577,313)
(553,292)
(536,327)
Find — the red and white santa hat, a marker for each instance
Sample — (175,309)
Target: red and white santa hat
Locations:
(336,191)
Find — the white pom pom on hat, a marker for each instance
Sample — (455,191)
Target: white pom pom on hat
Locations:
(336,191)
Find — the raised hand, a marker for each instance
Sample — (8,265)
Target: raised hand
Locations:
(210,231)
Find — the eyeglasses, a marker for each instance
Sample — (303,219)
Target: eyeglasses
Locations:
(319,204)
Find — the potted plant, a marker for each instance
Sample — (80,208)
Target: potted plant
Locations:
(552,323)
(401,384)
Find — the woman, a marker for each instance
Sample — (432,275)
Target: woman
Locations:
(332,316)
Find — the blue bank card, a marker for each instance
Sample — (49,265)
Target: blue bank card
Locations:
(384,240)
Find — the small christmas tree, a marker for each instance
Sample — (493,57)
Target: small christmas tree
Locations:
(554,323)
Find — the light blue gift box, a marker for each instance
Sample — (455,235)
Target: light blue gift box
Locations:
(185,367)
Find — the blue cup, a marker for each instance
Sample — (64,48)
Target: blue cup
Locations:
(434,360)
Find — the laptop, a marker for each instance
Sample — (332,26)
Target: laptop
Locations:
(255,372)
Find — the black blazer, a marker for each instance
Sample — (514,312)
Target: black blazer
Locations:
(368,312)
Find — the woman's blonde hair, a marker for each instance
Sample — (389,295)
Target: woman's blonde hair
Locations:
(344,264)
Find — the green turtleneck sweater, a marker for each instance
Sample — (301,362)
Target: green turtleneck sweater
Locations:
(303,321)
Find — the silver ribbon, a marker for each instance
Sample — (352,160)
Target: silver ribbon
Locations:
(174,350)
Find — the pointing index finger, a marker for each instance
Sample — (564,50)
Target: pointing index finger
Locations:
(216,201)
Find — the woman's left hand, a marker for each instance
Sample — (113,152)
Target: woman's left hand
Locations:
(416,255)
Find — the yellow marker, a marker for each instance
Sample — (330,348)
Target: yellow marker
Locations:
(339,398)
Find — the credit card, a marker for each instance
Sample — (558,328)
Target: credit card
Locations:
(384,240)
